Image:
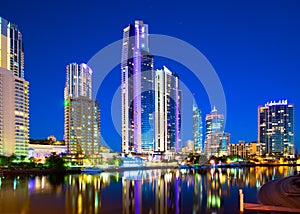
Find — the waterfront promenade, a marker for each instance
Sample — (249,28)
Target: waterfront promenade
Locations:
(112,168)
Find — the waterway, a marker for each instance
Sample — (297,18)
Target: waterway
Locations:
(140,191)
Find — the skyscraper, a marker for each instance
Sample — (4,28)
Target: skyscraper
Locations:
(82,114)
(137,84)
(276,128)
(167,111)
(214,122)
(14,92)
(197,129)
(216,141)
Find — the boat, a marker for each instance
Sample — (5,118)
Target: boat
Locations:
(91,169)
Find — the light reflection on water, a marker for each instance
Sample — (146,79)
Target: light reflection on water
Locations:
(144,191)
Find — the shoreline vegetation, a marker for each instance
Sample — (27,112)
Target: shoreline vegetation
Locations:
(77,170)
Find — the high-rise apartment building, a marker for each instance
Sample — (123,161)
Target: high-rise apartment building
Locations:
(167,111)
(216,141)
(214,122)
(137,90)
(14,92)
(197,129)
(276,128)
(82,113)
(217,144)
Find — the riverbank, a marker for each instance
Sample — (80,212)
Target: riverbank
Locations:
(119,169)
(76,170)
(5,172)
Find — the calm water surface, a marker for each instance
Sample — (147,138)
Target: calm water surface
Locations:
(145,191)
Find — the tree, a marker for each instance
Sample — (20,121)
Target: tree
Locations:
(55,163)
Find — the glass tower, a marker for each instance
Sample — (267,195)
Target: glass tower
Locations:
(137,84)
(197,128)
(216,141)
(214,122)
(14,92)
(82,114)
(276,128)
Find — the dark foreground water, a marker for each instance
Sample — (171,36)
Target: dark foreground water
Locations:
(146,191)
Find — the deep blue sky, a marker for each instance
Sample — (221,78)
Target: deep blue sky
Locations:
(254,47)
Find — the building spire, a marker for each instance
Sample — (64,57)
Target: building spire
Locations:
(214,109)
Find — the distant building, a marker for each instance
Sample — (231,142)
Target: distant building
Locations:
(197,129)
(40,149)
(276,128)
(137,90)
(254,148)
(167,111)
(243,149)
(217,142)
(82,113)
(14,92)
(48,141)
(214,122)
(190,145)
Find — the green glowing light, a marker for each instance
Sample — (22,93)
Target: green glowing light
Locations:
(67,103)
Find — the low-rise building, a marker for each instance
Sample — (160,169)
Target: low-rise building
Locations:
(243,149)
(43,148)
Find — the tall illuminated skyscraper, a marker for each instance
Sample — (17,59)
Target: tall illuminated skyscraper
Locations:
(82,114)
(167,111)
(137,84)
(197,129)
(14,92)
(214,122)
(216,141)
(276,128)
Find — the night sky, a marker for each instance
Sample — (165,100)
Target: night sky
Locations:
(254,46)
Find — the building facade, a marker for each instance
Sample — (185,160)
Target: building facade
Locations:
(214,122)
(276,128)
(82,113)
(243,149)
(137,90)
(217,142)
(197,129)
(167,111)
(14,92)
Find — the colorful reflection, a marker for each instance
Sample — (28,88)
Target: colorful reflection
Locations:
(145,191)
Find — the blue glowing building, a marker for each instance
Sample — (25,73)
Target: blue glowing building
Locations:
(197,129)
(137,90)
(276,128)
(216,141)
